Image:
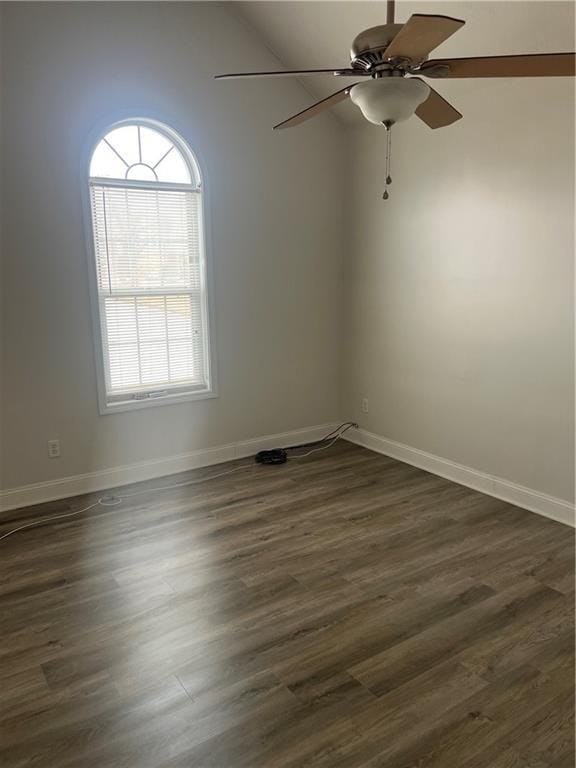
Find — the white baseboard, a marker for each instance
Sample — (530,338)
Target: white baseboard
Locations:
(521,496)
(548,506)
(27,495)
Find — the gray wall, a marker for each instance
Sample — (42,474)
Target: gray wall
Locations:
(70,69)
(459,310)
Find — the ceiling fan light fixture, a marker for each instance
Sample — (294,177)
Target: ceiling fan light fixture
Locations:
(389,100)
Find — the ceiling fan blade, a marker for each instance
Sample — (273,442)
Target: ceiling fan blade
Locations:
(525,65)
(315,109)
(338,72)
(420,35)
(436,112)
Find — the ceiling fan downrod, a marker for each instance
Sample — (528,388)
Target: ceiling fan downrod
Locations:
(389,11)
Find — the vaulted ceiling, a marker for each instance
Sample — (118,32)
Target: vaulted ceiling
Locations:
(318,34)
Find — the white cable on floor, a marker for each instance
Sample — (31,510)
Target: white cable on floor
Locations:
(108,501)
(49,519)
(320,448)
(185,483)
(111,501)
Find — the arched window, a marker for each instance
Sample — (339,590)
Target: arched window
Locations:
(147,226)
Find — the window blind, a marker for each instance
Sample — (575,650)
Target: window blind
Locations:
(150,289)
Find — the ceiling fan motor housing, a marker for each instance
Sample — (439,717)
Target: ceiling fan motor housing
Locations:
(368,47)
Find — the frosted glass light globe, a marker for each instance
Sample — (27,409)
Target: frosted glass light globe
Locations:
(389,99)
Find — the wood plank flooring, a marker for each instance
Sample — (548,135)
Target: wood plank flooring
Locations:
(345,610)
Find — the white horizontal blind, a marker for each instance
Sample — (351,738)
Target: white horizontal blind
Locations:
(149,275)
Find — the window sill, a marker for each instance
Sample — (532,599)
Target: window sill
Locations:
(157,402)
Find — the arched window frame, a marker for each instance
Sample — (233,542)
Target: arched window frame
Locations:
(156,395)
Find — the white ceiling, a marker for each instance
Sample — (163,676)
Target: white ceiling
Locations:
(318,34)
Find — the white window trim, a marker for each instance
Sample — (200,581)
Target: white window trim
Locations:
(105,406)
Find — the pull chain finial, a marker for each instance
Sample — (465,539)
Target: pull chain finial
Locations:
(388,126)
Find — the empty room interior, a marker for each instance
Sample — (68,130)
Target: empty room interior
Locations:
(287,393)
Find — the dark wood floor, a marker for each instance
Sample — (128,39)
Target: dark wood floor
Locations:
(345,610)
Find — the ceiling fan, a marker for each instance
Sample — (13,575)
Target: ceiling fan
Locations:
(391,58)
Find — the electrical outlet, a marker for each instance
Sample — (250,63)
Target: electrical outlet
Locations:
(364,405)
(54,449)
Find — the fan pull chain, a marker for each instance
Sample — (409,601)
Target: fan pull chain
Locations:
(386,195)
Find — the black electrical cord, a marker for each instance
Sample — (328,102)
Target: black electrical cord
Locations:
(280,455)
(347,424)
